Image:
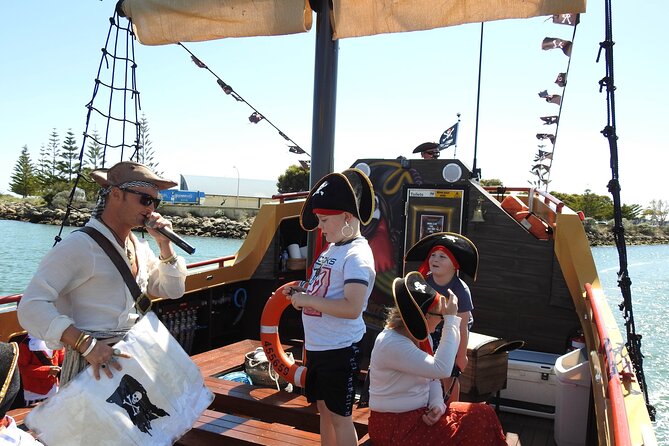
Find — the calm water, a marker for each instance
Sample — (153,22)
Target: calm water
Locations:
(24,244)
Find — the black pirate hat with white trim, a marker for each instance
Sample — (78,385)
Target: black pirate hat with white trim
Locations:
(350,191)
(464,251)
(10,382)
(413,298)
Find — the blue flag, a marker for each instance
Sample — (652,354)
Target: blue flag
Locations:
(449,137)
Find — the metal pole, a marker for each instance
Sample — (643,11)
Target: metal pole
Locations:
(325,103)
(475,171)
(325,95)
(237,202)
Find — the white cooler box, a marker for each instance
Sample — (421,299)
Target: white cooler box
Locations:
(530,384)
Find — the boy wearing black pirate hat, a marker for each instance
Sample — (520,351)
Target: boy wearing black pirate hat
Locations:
(333,299)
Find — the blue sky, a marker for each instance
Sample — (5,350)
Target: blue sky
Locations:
(394,92)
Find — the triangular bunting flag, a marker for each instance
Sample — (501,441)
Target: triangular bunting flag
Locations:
(548,120)
(554,99)
(296,149)
(198,62)
(561,80)
(548,136)
(566,19)
(256,117)
(551,43)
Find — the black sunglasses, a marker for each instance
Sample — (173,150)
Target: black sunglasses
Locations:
(145,199)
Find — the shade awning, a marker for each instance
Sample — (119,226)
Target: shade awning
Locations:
(355,18)
(159,22)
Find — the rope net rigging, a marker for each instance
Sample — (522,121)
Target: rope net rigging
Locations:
(113,110)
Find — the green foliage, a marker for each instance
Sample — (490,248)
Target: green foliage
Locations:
(644,229)
(294,179)
(23,179)
(68,164)
(94,152)
(491,182)
(52,154)
(599,207)
(658,211)
(144,147)
(631,211)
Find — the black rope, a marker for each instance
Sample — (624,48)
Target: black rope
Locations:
(633,343)
(256,115)
(128,89)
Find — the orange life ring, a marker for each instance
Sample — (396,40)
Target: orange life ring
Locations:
(269,336)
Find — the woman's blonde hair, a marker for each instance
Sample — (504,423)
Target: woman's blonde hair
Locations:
(394,318)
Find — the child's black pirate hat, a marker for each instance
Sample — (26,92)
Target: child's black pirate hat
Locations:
(349,191)
(413,298)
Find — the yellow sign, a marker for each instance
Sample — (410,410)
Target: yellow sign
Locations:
(448,193)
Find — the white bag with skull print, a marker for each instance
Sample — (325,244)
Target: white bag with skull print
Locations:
(154,400)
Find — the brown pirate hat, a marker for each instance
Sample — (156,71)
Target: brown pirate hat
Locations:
(127,171)
(349,191)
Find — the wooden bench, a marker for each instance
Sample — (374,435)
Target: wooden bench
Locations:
(222,428)
(224,359)
(273,405)
(263,410)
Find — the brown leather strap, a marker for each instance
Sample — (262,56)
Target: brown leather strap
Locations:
(142,301)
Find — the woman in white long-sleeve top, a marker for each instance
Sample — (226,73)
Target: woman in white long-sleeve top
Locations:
(405,396)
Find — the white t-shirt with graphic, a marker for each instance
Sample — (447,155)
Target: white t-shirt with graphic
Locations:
(351,262)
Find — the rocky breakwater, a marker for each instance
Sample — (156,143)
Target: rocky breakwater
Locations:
(606,239)
(198,226)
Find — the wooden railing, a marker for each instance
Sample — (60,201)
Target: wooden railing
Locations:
(12,298)
(290,196)
(621,432)
(220,260)
(548,198)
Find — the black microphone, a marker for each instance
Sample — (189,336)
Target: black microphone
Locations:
(181,243)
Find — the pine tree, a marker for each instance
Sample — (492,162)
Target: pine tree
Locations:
(43,170)
(94,152)
(23,178)
(93,160)
(144,149)
(68,164)
(52,151)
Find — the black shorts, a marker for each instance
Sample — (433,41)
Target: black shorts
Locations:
(331,378)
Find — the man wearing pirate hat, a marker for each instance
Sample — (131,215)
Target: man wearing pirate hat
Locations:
(10,383)
(428,150)
(78,297)
(333,299)
(406,398)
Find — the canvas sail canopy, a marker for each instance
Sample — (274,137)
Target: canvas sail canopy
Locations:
(159,22)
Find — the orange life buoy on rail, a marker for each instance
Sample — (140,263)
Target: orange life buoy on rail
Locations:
(269,336)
